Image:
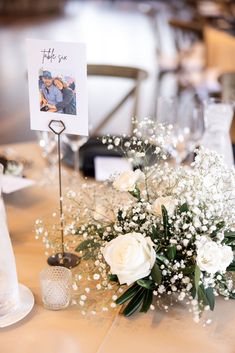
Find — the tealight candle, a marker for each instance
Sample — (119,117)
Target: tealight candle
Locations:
(56,287)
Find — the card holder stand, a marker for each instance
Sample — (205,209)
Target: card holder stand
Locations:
(65,259)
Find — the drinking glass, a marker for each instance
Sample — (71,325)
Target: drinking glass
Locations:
(56,284)
(48,142)
(167,110)
(167,114)
(190,131)
(218,117)
(75,142)
(186,119)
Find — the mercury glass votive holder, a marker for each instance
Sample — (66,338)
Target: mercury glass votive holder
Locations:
(56,285)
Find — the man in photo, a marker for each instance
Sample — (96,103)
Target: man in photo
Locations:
(49,93)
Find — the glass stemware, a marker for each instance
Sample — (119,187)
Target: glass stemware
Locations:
(190,131)
(167,113)
(218,117)
(186,119)
(48,143)
(75,142)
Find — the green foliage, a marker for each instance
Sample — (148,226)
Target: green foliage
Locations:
(161,258)
(87,244)
(165,221)
(206,296)
(147,301)
(231,267)
(139,295)
(155,233)
(146,283)
(135,303)
(128,294)
(210,297)
(113,278)
(219,226)
(188,270)
(119,216)
(229,234)
(171,252)
(232,295)
(202,295)
(156,274)
(183,208)
(197,275)
(136,193)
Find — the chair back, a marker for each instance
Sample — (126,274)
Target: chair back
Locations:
(132,73)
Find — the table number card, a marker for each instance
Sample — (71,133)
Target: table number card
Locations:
(57,75)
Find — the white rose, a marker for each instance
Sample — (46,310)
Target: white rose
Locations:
(127,180)
(213,257)
(227,257)
(166,201)
(130,256)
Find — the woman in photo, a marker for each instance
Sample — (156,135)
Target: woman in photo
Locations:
(68,104)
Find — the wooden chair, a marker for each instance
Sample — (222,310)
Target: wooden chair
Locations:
(132,73)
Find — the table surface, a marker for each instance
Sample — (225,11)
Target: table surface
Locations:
(68,330)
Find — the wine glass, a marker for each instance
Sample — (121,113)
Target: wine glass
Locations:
(218,117)
(48,143)
(167,112)
(190,124)
(75,142)
(186,118)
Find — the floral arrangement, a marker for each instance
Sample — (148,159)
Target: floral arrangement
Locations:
(165,232)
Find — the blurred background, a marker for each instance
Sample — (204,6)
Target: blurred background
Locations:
(180,48)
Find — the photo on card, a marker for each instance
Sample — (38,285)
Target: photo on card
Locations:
(57,92)
(57,77)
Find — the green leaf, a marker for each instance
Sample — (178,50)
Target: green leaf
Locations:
(128,294)
(146,283)
(165,220)
(229,234)
(183,208)
(88,255)
(148,298)
(210,297)
(119,216)
(156,274)
(193,291)
(154,233)
(197,275)
(219,226)
(87,244)
(202,295)
(231,267)
(113,278)
(134,303)
(232,295)
(188,270)
(171,252)
(136,193)
(162,258)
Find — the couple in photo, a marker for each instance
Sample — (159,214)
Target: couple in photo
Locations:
(56,95)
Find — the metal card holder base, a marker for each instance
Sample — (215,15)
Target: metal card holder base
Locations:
(65,259)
